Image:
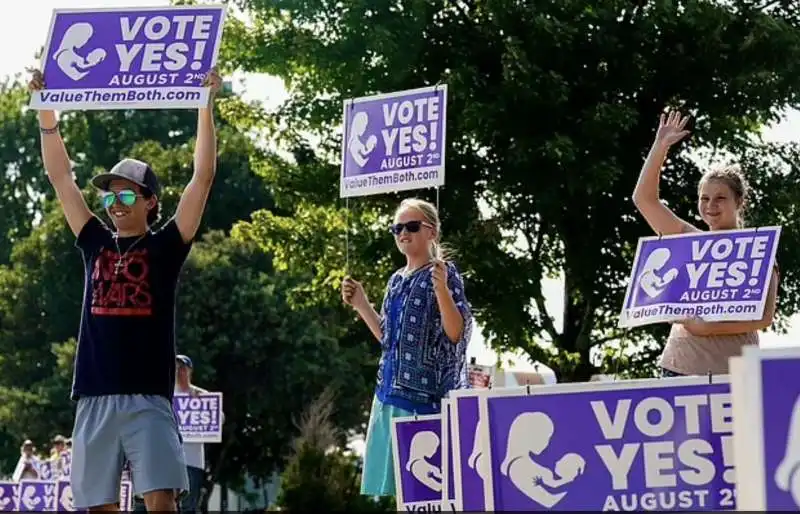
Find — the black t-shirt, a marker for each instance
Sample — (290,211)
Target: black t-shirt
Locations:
(126,343)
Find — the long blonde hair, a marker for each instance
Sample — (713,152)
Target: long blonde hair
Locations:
(438,250)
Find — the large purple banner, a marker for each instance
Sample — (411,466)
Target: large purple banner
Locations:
(130,58)
(37,495)
(661,445)
(417,446)
(49,496)
(9,497)
(199,417)
(394,142)
(716,276)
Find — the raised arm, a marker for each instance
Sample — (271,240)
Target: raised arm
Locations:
(58,166)
(645,196)
(194,197)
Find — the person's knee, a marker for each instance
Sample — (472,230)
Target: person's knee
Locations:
(163,500)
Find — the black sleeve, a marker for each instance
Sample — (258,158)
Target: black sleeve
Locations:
(171,243)
(93,236)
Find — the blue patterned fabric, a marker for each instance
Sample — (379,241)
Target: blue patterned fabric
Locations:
(419,364)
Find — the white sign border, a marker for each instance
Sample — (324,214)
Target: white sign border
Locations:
(626,321)
(748,404)
(570,388)
(398,475)
(204,437)
(36,97)
(394,188)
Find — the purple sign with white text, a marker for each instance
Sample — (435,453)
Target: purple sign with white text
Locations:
(394,142)
(472,466)
(37,495)
(64,496)
(129,58)
(665,448)
(780,404)
(46,470)
(66,463)
(9,497)
(716,276)
(418,462)
(199,417)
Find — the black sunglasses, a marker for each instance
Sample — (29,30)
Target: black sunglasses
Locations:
(411,226)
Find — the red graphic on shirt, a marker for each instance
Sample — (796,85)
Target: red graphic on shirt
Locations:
(124,289)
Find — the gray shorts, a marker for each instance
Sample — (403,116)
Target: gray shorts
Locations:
(109,429)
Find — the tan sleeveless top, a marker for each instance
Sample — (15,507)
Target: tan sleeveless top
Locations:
(697,355)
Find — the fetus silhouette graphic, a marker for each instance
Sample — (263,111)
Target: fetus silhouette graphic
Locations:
(73,64)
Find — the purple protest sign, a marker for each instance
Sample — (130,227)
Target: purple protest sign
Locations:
(65,463)
(129,58)
(716,276)
(64,497)
(9,497)
(767,447)
(126,496)
(45,469)
(199,417)
(470,466)
(394,142)
(634,445)
(416,442)
(37,495)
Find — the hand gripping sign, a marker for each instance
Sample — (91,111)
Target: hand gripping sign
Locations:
(715,276)
(394,142)
(766,403)
(129,58)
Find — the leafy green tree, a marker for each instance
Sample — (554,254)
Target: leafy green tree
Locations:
(551,110)
(268,359)
(320,476)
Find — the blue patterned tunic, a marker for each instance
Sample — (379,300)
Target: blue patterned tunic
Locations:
(419,363)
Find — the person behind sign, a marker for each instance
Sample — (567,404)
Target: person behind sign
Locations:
(426,319)
(56,454)
(28,463)
(128,319)
(194,452)
(694,346)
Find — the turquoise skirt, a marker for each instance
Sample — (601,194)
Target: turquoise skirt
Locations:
(377,477)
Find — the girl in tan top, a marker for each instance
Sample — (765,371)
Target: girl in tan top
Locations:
(697,347)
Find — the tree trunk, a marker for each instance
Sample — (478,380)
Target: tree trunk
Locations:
(223,498)
(576,335)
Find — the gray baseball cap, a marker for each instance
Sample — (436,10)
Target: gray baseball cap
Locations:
(138,172)
(185,360)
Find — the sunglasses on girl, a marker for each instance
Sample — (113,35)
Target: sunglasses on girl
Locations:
(411,226)
(125,197)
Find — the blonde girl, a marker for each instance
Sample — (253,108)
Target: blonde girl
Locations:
(424,326)
(697,347)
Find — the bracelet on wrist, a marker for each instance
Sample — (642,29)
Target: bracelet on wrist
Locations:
(53,130)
